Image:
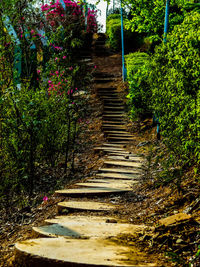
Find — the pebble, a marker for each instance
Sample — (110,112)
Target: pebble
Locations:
(179,241)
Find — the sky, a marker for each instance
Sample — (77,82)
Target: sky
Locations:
(102,7)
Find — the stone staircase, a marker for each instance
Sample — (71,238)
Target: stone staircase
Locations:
(84,236)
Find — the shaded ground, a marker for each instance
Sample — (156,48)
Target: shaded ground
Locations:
(147,204)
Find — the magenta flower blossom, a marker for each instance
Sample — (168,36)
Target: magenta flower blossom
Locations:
(45,198)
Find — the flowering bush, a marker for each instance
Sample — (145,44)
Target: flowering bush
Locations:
(55,14)
(39,123)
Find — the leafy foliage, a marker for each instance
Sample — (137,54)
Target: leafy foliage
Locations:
(132,40)
(168,84)
(40,120)
(175,86)
(138,67)
(148,16)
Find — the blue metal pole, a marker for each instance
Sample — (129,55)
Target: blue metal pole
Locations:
(166,20)
(63,4)
(166,26)
(86,13)
(17,65)
(122,38)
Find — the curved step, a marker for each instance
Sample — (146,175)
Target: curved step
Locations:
(126,158)
(112,180)
(87,192)
(84,229)
(106,185)
(62,252)
(124,163)
(85,205)
(119,170)
(124,176)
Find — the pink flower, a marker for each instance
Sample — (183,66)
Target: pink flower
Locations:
(64,57)
(32,31)
(38,71)
(95,66)
(71,68)
(45,198)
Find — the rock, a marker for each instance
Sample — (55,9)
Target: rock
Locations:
(174,219)
(179,241)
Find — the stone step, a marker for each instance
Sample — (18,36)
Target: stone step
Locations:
(126,158)
(85,206)
(113,123)
(123,134)
(129,182)
(113,98)
(98,74)
(120,138)
(107,91)
(105,88)
(124,154)
(90,192)
(62,252)
(116,108)
(83,227)
(117,132)
(111,127)
(114,112)
(112,103)
(114,149)
(105,185)
(113,175)
(109,100)
(104,80)
(118,121)
(125,142)
(114,115)
(108,150)
(107,144)
(108,94)
(123,163)
(113,120)
(119,170)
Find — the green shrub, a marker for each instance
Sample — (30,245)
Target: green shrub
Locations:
(138,66)
(132,40)
(148,16)
(175,87)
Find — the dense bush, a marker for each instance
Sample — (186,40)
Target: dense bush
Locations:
(132,40)
(148,16)
(39,120)
(174,79)
(168,84)
(138,67)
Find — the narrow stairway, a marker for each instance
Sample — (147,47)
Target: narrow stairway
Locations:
(84,236)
